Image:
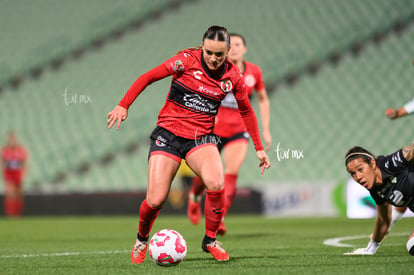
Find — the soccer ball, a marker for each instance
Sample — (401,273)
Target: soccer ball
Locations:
(410,246)
(167,247)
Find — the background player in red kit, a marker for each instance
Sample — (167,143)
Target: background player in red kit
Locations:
(201,79)
(13,162)
(232,131)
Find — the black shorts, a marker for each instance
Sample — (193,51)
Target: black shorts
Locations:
(164,142)
(224,141)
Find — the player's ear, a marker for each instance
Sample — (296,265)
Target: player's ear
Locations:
(373,163)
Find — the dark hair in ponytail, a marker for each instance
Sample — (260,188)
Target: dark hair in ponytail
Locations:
(216,33)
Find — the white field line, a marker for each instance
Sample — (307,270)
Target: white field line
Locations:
(60,254)
(338,242)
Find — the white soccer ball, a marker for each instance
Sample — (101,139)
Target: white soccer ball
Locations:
(167,247)
(410,246)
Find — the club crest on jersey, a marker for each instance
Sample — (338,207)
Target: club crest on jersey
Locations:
(178,66)
(249,80)
(226,85)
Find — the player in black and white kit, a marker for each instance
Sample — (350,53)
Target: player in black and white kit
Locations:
(390,181)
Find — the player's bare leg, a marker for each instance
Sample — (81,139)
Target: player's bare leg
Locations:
(234,154)
(205,161)
(161,172)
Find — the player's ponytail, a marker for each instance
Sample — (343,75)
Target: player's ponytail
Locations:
(358,152)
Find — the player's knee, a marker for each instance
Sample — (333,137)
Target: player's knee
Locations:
(214,183)
(155,202)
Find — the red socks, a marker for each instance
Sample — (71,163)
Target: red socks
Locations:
(147,216)
(13,207)
(213,211)
(197,187)
(230,182)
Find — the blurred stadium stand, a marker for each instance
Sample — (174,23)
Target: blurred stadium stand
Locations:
(331,67)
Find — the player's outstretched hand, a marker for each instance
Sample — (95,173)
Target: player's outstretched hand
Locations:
(117,115)
(360,251)
(371,249)
(391,113)
(264,160)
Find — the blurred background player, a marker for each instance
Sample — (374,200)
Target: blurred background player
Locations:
(185,131)
(13,162)
(232,133)
(390,181)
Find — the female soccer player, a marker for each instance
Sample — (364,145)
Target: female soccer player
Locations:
(13,156)
(390,181)
(232,131)
(392,113)
(201,79)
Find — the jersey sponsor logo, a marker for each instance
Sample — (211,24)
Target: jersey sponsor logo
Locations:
(207,91)
(226,85)
(196,102)
(229,101)
(178,66)
(249,80)
(190,99)
(198,74)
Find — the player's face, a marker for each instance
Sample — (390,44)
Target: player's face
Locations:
(12,140)
(214,53)
(362,172)
(237,49)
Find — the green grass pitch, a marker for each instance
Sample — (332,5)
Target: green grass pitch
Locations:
(256,245)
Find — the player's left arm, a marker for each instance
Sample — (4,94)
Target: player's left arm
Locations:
(264,107)
(408,152)
(382,224)
(250,121)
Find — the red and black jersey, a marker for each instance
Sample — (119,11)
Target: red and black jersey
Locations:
(229,121)
(195,95)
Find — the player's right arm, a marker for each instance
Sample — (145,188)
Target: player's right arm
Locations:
(120,112)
